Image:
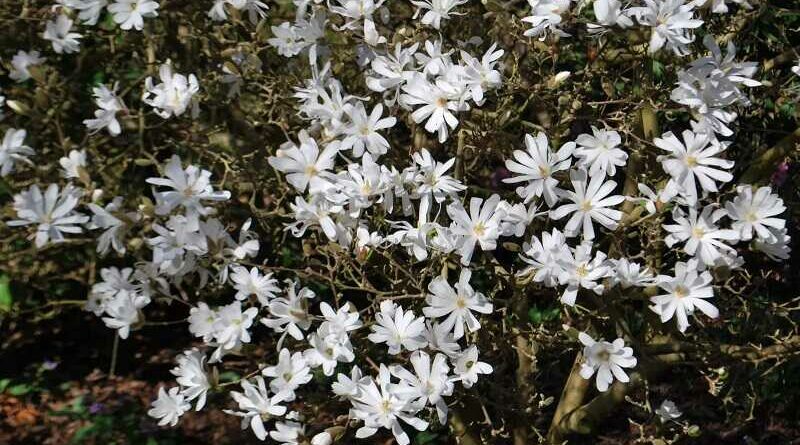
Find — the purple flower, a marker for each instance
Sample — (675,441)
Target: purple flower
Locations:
(96,408)
(780,174)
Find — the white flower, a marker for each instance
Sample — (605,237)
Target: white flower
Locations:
(436,102)
(397,328)
(430,381)
(607,359)
(600,152)
(546,15)
(124,311)
(347,387)
(609,13)
(756,213)
(693,162)
(190,187)
(686,291)
(289,433)
(467,367)
(582,270)
(537,166)
(257,406)
(290,373)
(73,163)
(433,182)
(114,223)
(113,281)
(290,312)
(53,212)
(435,10)
(481,225)
(13,149)
(383,405)
(630,273)
(131,13)
(58,33)
(672,22)
(192,376)
(327,351)
(441,339)
(20,64)
(106,115)
(202,321)
(481,75)
(589,203)
(777,250)
(654,202)
(174,95)
(391,71)
(252,282)
(668,411)
(340,322)
(362,131)
(703,238)
(545,257)
(457,304)
(231,325)
(169,406)
(89,11)
(304,166)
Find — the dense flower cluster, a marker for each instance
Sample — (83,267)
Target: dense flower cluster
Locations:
(346,191)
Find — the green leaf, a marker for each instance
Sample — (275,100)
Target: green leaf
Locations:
(228,376)
(424,438)
(84,433)
(20,389)
(5,293)
(4,384)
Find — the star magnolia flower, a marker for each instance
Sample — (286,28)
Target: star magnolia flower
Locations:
(169,406)
(668,411)
(686,291)
(106,115)
(457,304)
(600,152)
(756,213)
(257,406)
(174,95)
(190,187)
(191,374)
(672,22)
(304,166)
(362,132)
(437,103)
(291,312)
(13,149)
(380,404)
(57,32)
(432,180)
(429,383)
(537,166)
(703,238)
(606,359)
(290,373)
(53,212)
(435,10)
(124,311)
(589,203)
(251,282)
(131,13)
(693,161)
(467,367)
(20,64)
(397,328)
(481,225)
(582,270)
(545,257)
